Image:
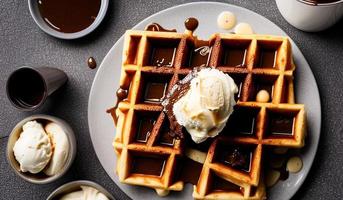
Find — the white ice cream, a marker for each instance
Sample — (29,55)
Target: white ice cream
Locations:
(206,107)
(87,193)
(61,148)
(33,148)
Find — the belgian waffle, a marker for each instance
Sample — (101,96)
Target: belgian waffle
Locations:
(154,61)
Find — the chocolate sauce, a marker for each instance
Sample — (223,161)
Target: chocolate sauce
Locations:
(242,122)
(267,58)
(253,191)
(234,57)
(122,94)
(190,171)
(191,24)
(144,129)
(269,155)
(155,91)
(148,165)
(284,174)
(236,157)
(69,16)
(203,146)
(91,63)
(199,54)
(26,87)
(162,56)
(165,137)
(158,27)
(280,124)
(178,91)
(219,184)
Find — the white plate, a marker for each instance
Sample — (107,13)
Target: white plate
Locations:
(102,95)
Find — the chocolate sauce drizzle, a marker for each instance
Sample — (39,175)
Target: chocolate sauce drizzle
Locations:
(157,27)
(122,94)
(177,92)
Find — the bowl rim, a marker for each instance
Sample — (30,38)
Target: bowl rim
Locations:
(93,184)
(71,154)
(68,36)
(10,98)
(320,4)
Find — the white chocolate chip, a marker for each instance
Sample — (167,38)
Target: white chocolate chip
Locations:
(162,192)
(272,177)
(277,162)
(294,164)
(243,28)
(226,20)
(262,96)
(196,155)
(280,150)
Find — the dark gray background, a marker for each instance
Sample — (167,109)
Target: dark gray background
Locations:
(23,43)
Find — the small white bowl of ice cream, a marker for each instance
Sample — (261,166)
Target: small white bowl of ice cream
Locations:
(41,148)
(81,189)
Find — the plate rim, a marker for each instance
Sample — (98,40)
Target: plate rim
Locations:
(293,192)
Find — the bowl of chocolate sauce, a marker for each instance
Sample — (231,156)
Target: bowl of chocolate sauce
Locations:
(68,19)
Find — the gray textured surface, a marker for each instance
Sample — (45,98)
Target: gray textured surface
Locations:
(22,43)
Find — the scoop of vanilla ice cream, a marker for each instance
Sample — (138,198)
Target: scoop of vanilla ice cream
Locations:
(33,149)
(87,193)
(59,141)
(206,107)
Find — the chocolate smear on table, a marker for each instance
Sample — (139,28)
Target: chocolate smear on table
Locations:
(91,63)
(176,93)
(158,27)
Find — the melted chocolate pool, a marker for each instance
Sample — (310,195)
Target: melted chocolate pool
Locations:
(69,16)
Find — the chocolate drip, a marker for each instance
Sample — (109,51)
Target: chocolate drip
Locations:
(191,24)
(177,92)
(122,94)
(112,111)
(157,27)
(91,63)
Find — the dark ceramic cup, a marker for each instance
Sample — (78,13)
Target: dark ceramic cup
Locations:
(27,87)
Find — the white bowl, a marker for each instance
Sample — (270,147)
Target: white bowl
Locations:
(33,6)
(74,186)
(309,17)
(40,178)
